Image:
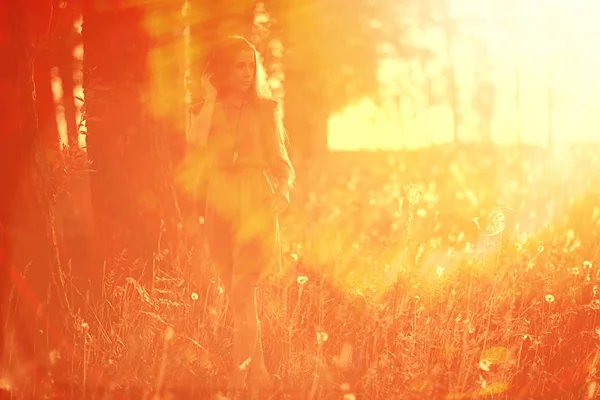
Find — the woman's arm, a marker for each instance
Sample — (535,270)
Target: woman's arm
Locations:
(200,119)
(200,114)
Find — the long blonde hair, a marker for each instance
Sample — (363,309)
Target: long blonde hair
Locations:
(222,56)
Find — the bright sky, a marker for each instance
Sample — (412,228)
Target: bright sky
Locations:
(568,47)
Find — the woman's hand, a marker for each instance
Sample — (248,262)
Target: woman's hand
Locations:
(281,199)
(209,90)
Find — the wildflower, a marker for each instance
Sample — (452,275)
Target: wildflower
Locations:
(575,271)
(245,364)
(591,389)
(220,289)
(54,356)
(302,280)
(518,247)
(194,296)
(322,337)
(587,264)
(540,249)
(344,360)
(439,271)
(549,298)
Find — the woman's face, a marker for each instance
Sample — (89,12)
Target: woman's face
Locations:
(242,71)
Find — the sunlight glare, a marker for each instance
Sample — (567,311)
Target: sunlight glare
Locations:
(549,42)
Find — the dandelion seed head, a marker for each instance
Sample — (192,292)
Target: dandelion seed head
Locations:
(496,222)
(484,365)
(169,333)
(302,280)
(194,296)
(550,298)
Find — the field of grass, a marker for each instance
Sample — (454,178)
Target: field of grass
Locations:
(435,274)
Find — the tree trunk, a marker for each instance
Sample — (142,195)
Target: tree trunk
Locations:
(132,189)
(66,63)
(305,96)
(517,97)
(452,87)
(29,259)
(550,104)
(304,117)
(45,60)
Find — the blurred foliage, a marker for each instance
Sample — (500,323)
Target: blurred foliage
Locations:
(335,46)
(330,52)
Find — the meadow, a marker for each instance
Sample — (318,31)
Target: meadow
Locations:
(443,273)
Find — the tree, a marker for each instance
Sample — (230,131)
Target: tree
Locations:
(130,105)
(67,38)
(29,259)
(449,29)
(328,59)
(484,96)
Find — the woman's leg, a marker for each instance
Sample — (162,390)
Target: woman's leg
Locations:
(247,347)
(258,370)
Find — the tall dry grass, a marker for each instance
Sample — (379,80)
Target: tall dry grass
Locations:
(436,274)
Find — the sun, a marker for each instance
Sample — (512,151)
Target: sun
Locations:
(548,44)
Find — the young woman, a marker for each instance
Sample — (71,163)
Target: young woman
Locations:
(249,177)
